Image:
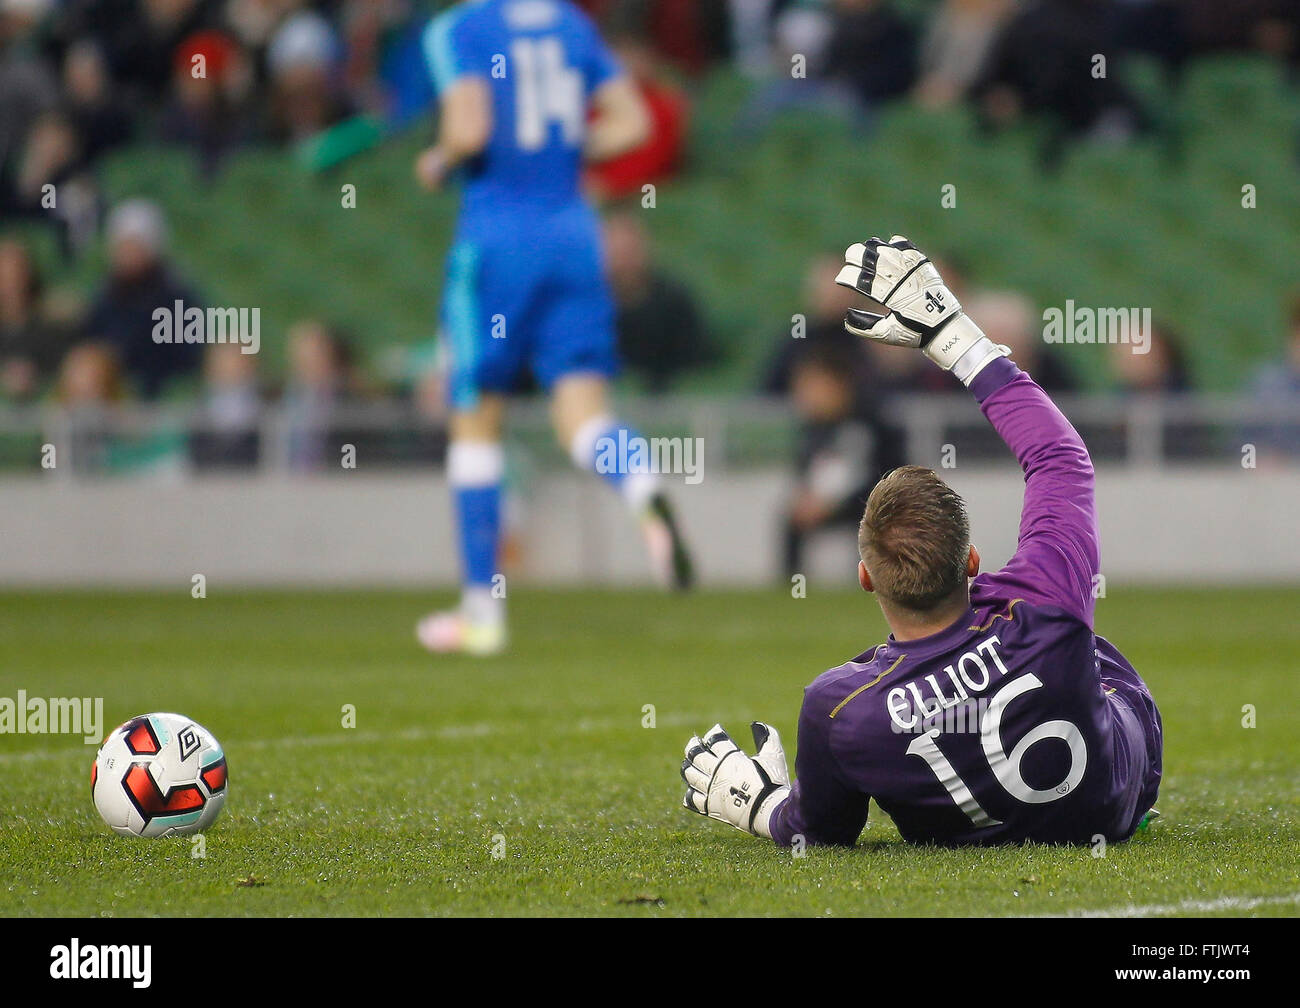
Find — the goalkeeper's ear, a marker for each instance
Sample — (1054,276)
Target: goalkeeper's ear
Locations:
(864,577)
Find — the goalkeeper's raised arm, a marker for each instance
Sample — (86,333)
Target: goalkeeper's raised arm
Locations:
(1059,553)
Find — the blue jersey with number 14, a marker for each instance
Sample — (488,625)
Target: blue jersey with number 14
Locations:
(543,59)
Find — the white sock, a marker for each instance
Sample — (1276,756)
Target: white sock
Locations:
(480,606)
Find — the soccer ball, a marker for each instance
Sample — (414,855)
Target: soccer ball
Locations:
(159,775)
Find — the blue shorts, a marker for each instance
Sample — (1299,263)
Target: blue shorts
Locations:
(522,296)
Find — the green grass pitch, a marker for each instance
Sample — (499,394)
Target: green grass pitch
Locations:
(546,751)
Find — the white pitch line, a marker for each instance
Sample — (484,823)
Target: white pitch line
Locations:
(352,736)
(1186,906)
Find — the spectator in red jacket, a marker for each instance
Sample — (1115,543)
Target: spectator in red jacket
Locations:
(660,156)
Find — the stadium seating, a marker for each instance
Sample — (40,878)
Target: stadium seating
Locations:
(748,213)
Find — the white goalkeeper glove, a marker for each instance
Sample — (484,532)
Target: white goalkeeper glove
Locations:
(920,310)
(725,784)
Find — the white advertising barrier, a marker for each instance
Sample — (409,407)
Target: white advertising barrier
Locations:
(1217,526)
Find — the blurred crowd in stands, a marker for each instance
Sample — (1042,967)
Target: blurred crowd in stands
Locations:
(81,78)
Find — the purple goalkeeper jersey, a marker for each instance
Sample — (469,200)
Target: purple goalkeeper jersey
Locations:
(1016,723)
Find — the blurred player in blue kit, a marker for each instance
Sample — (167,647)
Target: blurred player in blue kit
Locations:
(527,91)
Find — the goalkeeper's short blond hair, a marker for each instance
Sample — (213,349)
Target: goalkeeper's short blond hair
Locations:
(915,539)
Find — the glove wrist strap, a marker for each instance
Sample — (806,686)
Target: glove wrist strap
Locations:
(962,348)
(977,358)
(761,822)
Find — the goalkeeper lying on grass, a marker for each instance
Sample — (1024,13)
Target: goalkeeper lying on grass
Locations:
(993,713)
